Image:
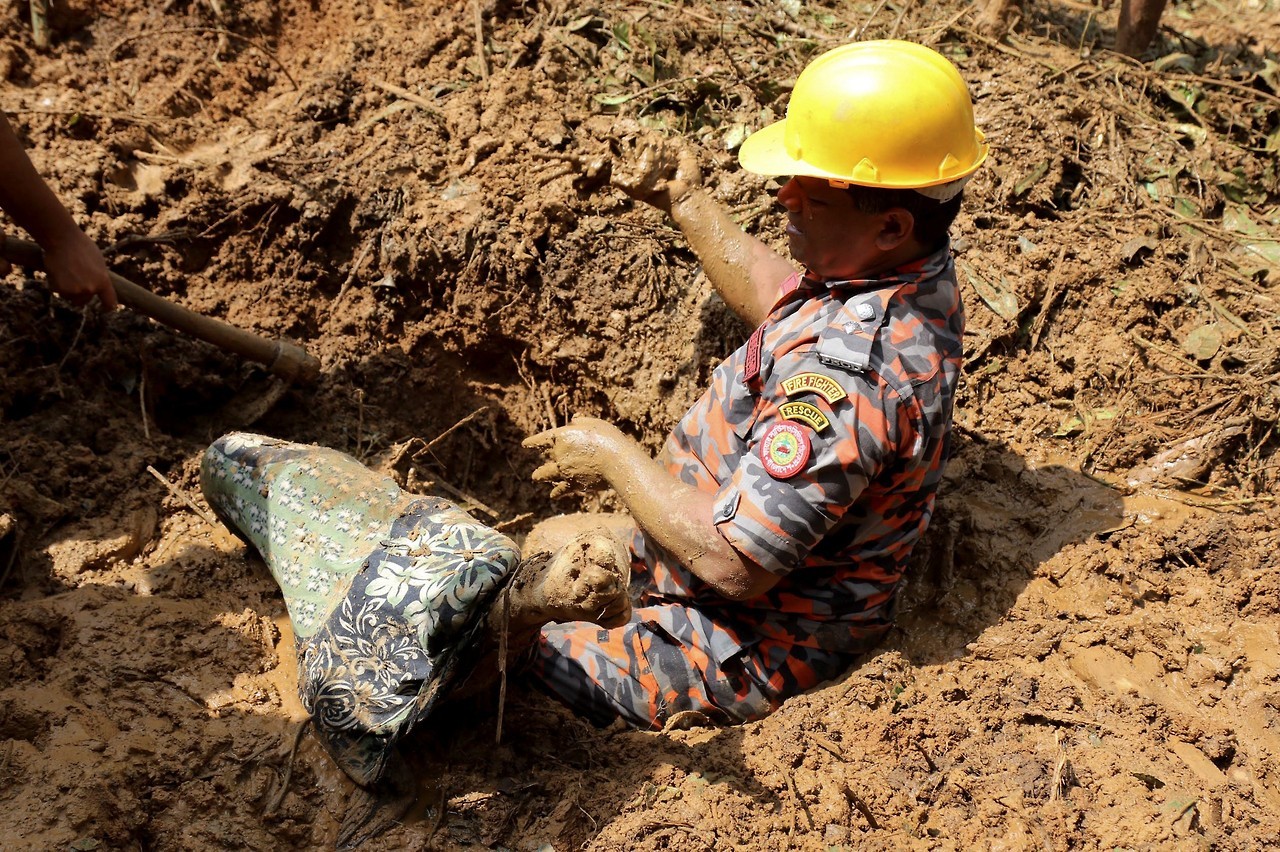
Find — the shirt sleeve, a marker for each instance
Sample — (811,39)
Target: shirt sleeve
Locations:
(775,519)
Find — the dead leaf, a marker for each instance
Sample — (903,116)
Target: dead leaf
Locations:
(1204,342)
(1130,249)
(1083,422)
(998,297)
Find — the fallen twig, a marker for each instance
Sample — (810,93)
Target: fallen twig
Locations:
(902,13)
(862,808)
(177,492)
(438,438)
(142,404)
(827,744)
(13,555)
(511,522)
(462,495)
(351,273)
(40,23)
(478,18)
(502,660)
(276,800)
(417,100)
(1152,346)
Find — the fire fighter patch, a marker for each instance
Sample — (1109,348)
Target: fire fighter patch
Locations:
(824,386)
(803,412)
(784,450)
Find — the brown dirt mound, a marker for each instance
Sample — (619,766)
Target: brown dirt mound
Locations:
(1088,655)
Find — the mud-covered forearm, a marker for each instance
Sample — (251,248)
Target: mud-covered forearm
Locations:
(73,262)
(744,271)
(589,451)
(678,517)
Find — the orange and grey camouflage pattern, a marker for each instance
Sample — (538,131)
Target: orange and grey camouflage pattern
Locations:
(823,438)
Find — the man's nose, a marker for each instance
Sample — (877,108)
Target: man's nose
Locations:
(790,197)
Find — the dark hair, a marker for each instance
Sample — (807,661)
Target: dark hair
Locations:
(933,218)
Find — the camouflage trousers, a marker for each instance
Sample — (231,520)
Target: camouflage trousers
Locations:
(672,657)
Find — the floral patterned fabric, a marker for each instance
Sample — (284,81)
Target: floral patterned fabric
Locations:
(384,589)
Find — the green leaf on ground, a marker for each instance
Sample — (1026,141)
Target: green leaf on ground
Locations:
(735,136)
(1185,96)
(622,33)
(1021,187)
(613,100)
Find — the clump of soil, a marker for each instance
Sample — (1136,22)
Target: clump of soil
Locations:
(1088,652)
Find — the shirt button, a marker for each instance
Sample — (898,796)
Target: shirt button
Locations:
(865,311)
(850,328)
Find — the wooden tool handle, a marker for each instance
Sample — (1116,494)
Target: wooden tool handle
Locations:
(283,359)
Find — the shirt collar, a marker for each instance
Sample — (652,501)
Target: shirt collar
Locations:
(922,268)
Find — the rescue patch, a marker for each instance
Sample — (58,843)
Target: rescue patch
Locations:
(784,450)
(824,386)
(806,413)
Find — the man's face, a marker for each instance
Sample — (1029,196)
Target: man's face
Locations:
(828,235)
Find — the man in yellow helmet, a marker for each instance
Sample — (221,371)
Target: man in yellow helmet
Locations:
(771,535)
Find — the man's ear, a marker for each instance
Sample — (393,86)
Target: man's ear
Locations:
(897,225)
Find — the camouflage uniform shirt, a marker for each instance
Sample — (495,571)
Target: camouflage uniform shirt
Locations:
(864,373)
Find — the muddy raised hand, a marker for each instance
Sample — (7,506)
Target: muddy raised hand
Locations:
(661,175)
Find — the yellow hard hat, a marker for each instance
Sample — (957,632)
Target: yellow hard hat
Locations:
(887,113)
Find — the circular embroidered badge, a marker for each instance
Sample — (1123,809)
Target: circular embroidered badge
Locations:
(784,450)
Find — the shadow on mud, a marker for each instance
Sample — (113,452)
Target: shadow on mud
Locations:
(557,780)
(998,520)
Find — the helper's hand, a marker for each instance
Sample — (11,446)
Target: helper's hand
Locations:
(661,175)
(77,271)
(578,455)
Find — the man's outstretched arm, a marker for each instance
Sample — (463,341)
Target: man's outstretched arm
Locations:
(743,270)
(677,516)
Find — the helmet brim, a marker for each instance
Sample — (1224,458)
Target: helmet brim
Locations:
(765,153)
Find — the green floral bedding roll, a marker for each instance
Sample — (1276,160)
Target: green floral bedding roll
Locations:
(384,589)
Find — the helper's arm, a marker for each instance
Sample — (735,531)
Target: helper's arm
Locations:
(744,271)
(73,262)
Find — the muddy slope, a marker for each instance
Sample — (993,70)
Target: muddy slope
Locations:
(1088,654)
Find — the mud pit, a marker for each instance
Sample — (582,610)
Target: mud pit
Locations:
(1088,654)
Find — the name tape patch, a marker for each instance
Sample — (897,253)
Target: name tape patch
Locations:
(824,386)
(784,450)
(806,413)
(751,366)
